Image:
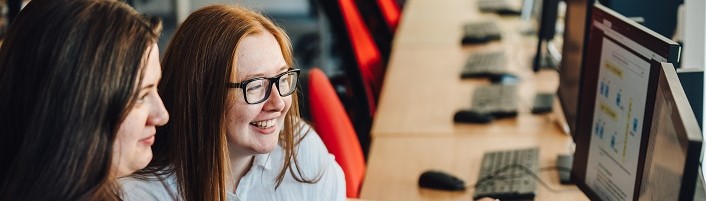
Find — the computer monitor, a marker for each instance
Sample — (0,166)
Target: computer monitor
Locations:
(545,56)
(546,18)
(577,14)
(618,84)
(671,165)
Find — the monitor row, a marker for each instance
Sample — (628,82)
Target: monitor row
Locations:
(636,135)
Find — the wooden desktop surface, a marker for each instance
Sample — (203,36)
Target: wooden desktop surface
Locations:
(437,22)
(413,128)
(422,88)
(396,163)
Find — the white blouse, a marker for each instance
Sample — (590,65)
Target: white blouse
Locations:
(259,183)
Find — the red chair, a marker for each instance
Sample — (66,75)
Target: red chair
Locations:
(335,129)
(366,52)
(391,12)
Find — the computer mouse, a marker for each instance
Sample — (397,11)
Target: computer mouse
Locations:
(508,11)
(441,180)
(470,116)
(504,78)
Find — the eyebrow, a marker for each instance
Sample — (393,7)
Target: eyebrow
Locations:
(281,70)
(147,87)
(151,85)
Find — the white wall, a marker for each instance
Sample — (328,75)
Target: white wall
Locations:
(695,43)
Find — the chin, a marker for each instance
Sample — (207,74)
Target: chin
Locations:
(265,149)
(144,160)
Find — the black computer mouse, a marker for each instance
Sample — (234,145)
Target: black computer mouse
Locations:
(441,180)
(508,11)
(504,78)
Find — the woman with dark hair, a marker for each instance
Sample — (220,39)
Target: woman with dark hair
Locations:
(235,132)
(78,99)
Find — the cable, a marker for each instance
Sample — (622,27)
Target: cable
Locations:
(558,168)
(495,176)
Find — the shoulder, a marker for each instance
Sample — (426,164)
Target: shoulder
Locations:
(312,163)
(145,188)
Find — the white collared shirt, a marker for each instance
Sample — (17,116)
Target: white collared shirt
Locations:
(259,183)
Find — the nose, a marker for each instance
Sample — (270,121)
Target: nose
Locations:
(159,115)
(275,102)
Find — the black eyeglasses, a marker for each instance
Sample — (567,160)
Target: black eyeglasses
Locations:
(257,90)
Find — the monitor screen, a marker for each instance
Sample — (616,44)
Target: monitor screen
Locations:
(671,164)
(618,83)
(577,12)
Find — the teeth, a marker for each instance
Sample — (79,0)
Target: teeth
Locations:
(264,124)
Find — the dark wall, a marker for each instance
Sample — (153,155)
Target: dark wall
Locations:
(659,15)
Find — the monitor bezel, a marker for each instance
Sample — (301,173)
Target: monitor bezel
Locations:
(573,95)
(685,124)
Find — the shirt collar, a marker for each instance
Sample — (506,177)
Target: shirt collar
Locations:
(263,160)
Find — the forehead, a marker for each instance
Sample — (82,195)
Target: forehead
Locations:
(258,53)
(153,69)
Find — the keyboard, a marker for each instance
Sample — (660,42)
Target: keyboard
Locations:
(498,100)
(485,65)
(502,176)
(480,32)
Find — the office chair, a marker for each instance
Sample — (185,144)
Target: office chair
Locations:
(381,17)
(391,11)
(335,129)
(360,60)
(365,51)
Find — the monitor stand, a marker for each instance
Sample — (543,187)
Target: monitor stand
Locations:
(564,162)
(559,119)
(547,57)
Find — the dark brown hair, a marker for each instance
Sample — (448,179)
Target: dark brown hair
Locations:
(197,65)
(69,72)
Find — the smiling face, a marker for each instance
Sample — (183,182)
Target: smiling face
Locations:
(133,143)
(255,128)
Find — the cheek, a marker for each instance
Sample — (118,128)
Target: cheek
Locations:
(126,138)
(240,114)
(132,127)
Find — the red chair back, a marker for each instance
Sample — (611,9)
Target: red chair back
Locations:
(336,131)
(391,12)
(366,52)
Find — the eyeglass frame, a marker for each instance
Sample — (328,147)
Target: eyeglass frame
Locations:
(272,81)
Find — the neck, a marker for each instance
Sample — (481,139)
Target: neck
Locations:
(240,163)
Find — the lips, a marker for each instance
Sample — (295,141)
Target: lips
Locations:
(148,140)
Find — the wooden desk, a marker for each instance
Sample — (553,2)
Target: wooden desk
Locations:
(438,22)
(413,130)
(397,162)
(422,88)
